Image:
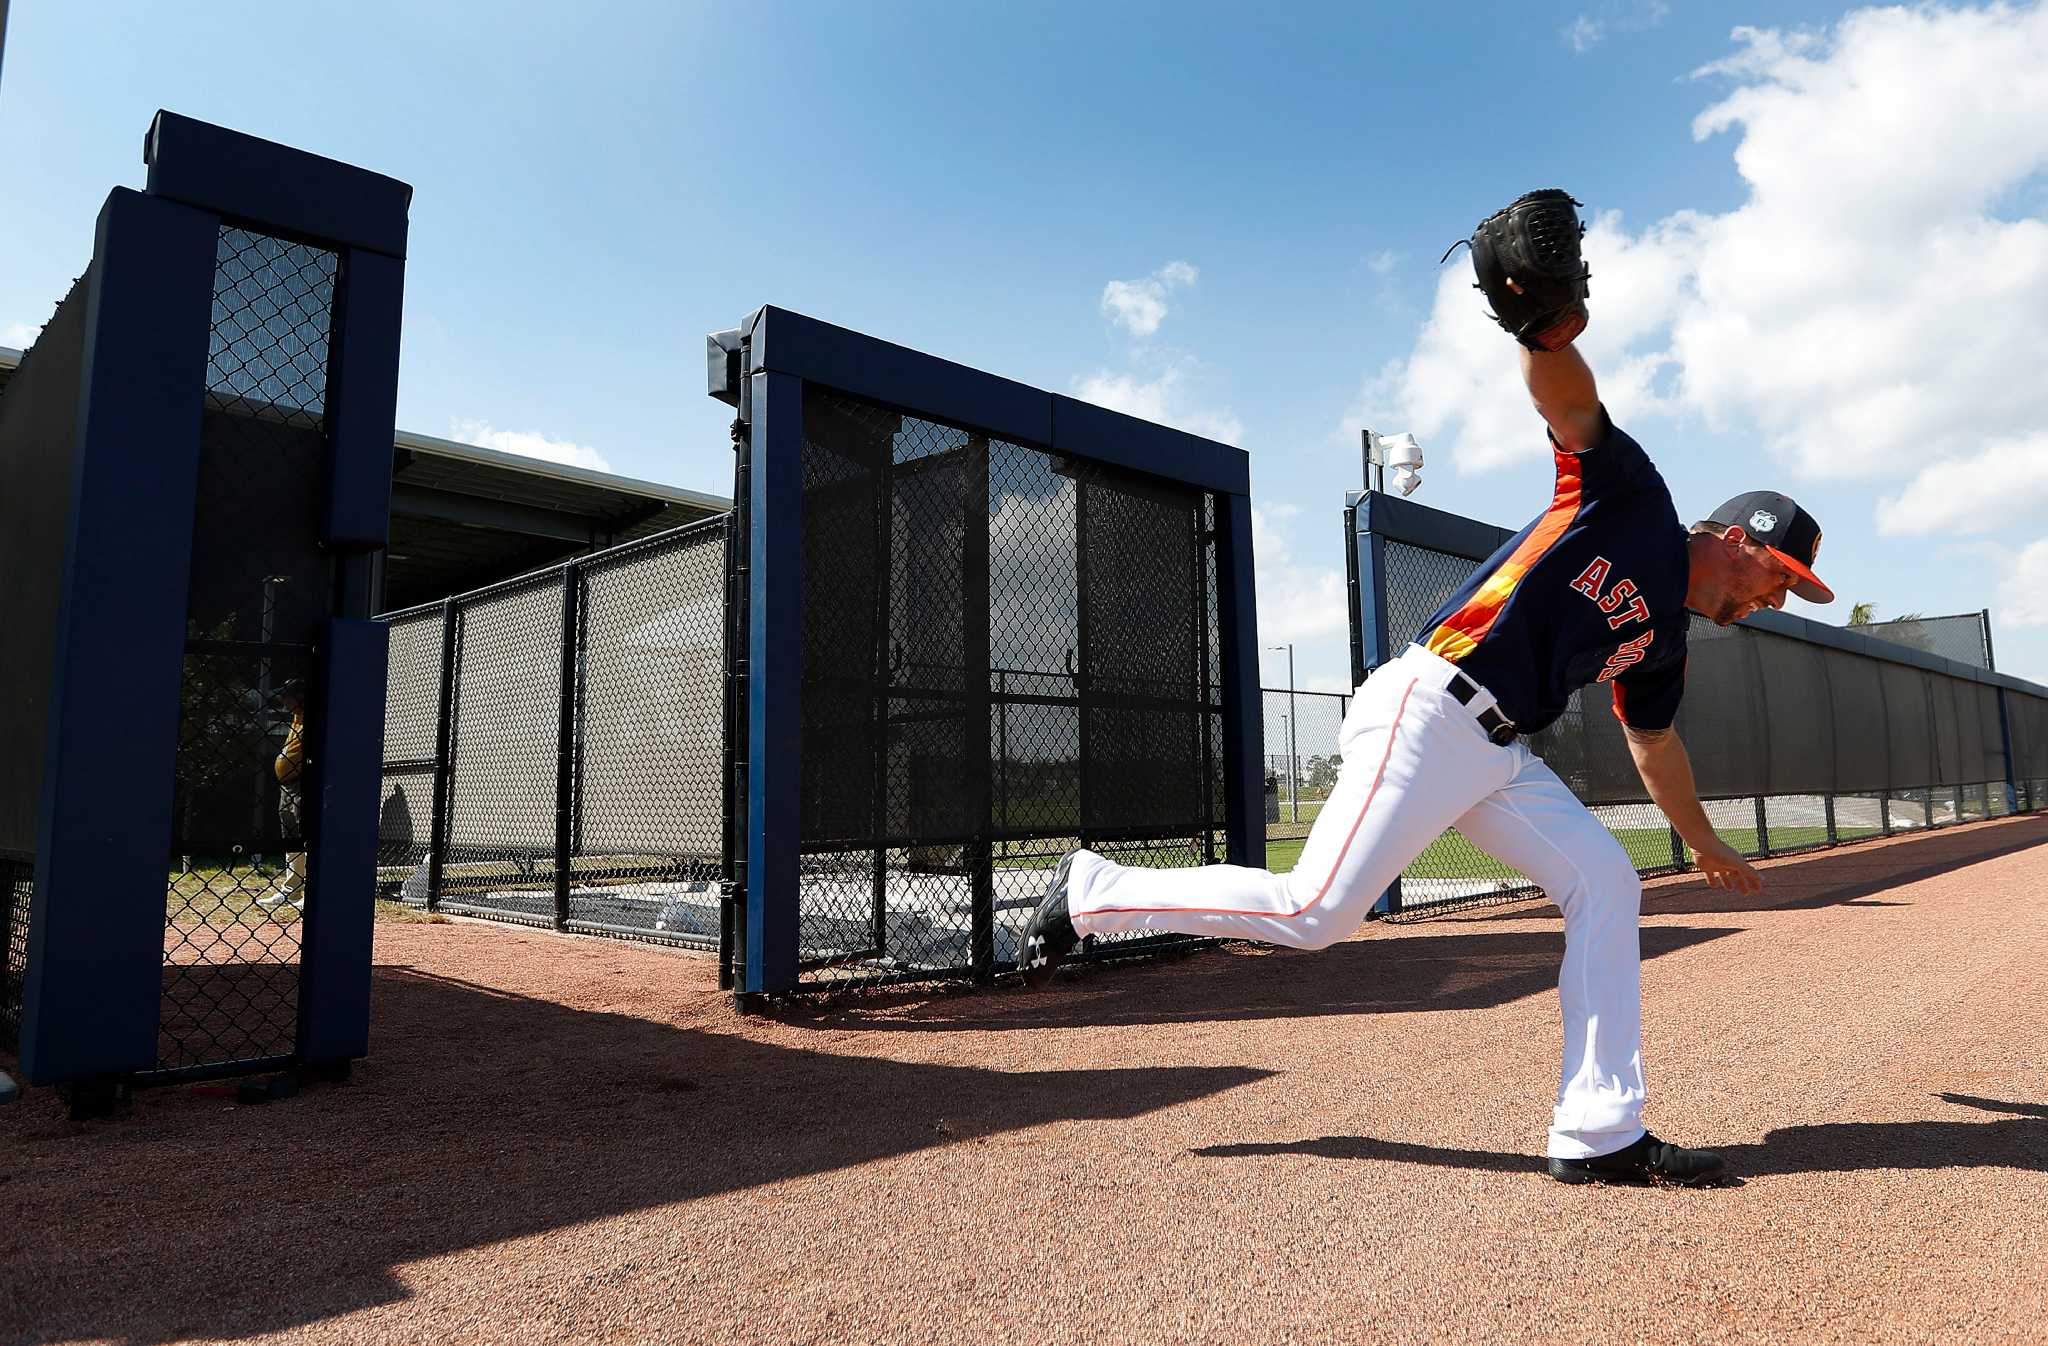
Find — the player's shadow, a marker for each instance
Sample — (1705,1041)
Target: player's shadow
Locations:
(482,1117)
(2018,1141)
(1399,970)
(1832,878)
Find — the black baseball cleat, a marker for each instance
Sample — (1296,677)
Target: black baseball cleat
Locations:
(1649,1160)
(1049,936)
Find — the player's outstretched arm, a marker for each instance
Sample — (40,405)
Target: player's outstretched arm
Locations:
(1561,385)
(1526,261)
(1667,774)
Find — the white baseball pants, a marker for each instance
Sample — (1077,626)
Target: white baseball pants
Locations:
(1416,762)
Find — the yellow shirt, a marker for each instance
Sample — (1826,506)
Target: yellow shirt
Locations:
(292,761)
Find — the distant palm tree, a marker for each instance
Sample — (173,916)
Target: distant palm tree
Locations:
(1861,614)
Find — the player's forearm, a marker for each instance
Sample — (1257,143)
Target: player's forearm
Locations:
(1561,385)
(1667,775)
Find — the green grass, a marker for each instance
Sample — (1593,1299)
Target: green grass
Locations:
(224,895)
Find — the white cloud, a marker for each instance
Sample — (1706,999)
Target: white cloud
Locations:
(529,444)
(19,335)
(1139,306)
(2007,480)
(1168,399)
(2023,589)
(1297,602)
(1383,262)
(1878,301)
(1584,33)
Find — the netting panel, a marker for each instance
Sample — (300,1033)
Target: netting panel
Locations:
(1963,637)
(504,750)
(1005,651)
(260,589)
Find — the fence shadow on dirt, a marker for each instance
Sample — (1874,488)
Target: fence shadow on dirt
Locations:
(2019,1140)
(1397,971)
(483,1117)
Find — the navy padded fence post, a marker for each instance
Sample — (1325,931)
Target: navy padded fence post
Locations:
(775,670)
(1243,724)
(334,975)
(96,931)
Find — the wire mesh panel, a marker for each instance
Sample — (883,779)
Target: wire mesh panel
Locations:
(17,889)
(260,589)
(412,708)
(1005,652)
(1303,752)
(503,747)
(650,739)
(1965,637)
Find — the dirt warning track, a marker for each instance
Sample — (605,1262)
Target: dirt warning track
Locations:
(562,1138)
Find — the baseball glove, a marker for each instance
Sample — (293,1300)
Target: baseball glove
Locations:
(1534,243)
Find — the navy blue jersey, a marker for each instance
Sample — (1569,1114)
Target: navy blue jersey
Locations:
(1592,591)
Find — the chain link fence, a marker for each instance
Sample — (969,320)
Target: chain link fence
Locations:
(1964,637)
(1006,653)
(1302,733)
(1795,745)
(17,888)
(260,589)
(553,745)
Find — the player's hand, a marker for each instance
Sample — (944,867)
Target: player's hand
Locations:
(1724,868)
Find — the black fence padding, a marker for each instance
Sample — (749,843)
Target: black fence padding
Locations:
(1793,745)
(1142,694)
(845,449)
(38,433)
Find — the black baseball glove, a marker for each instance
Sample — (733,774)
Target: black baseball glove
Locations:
(1529,267)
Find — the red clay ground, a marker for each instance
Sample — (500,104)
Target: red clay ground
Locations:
(571,1139)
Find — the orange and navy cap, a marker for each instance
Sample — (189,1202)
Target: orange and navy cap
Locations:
(1775,523)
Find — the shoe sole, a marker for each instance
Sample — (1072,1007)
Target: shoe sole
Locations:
(1039,978)
(1587,1178)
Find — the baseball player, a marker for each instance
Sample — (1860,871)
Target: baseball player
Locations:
(1596,590)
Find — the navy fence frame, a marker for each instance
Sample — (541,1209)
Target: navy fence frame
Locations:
(766,368)
(93,982)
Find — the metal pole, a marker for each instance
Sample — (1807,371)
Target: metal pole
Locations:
(1293,741)
(565,747)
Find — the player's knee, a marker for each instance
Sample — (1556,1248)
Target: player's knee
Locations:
(1614,878)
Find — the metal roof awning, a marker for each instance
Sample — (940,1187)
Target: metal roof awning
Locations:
(463,516)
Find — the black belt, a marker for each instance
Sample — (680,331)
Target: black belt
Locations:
(1498,727)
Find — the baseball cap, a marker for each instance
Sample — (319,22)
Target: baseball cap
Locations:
(1777,524)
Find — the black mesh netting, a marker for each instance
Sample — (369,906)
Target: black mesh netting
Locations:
(1965,637)
(1005,652)
(260,588)
(1793,745)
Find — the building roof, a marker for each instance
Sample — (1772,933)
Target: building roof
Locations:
(463,515)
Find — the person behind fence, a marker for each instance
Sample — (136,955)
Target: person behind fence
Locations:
(1597,590)
(289,767)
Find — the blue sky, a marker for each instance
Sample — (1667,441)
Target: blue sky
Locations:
(598,186)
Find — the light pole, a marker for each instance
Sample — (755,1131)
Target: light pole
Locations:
(1293,755)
